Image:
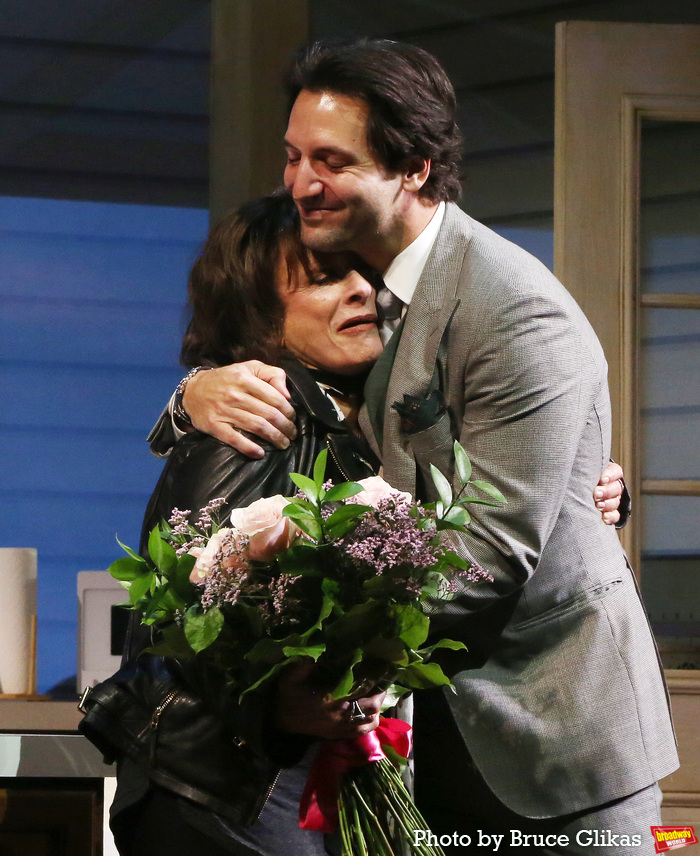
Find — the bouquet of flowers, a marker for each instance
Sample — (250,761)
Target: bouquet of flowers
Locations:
(338,574)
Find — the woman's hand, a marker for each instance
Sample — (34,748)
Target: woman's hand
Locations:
(249,396)
(304,710)
(608,493)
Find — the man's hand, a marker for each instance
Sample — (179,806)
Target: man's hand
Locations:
(250,396)
(608,492)
(304,710)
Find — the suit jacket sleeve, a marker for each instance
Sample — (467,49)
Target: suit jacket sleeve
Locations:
(531,383)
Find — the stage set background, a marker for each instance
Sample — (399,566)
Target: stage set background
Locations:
(114,147)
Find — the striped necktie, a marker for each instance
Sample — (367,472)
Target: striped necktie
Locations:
(390,310)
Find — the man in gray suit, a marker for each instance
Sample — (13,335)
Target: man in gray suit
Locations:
(560,727)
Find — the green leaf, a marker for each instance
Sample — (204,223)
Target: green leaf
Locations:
(388,650)
(268,674)
(320,470)
(345,685)
(334,533)
(393,695)
(156,607)
(313,651)
(299,506)
(301,515)
(311,527)
(432,583)
(423,676)
(344,490)
(307,486)
(398,761)
(413,625)
(490,490)
(267,650)
(203,627)
(477,501)
(442,525)
(301,559)
(127,569)
(346,512)
(328,605)
(128,550)
(171,600)
(442,485)
(451,644)
(180,577)
(166,530)
(379,588)
(459,516)
(162,554)
(462,463)
(139,587)
(456,561)
(172,643)
(359,623)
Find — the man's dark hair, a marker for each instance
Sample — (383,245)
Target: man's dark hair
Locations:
(410,98)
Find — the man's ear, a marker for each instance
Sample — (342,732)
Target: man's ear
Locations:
(416,174)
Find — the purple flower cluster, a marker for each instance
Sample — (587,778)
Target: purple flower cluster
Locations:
(228,574)
(284,604)
(185,537)
(205,515)
(475,574)
(178,521)
(390,537)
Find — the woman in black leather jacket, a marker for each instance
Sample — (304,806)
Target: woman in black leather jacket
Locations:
(215,776)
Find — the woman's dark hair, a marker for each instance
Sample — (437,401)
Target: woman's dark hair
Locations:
(410,98)
(237,313)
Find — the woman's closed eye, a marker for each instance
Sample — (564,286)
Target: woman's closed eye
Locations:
(322,278)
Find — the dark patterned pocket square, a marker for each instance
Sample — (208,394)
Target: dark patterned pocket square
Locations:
(417,413)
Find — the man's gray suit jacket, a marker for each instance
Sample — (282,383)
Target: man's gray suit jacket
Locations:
(569,709)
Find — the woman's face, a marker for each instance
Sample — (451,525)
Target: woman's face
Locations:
(329,323)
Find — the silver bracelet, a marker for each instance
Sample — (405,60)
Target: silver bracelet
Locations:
(179,411)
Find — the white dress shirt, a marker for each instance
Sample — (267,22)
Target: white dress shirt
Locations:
(402,275)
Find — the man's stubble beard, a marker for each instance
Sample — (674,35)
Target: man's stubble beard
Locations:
(354,236)
(324,240)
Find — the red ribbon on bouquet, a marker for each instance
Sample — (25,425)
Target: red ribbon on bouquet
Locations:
(318,809)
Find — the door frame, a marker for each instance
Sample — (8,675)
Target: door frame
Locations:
(602,95)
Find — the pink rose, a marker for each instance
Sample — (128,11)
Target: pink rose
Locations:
(376,489)
(270,533)
(206,555)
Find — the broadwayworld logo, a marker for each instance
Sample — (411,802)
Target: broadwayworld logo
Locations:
(669,837)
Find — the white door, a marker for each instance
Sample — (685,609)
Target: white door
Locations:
(627,244)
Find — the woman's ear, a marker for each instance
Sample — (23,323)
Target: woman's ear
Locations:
(416,174)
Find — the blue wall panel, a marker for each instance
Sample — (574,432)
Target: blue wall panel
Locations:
(118,398)
(91,316)
(83,332)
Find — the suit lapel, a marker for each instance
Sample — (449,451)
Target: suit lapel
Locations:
(428,316)
(377,384)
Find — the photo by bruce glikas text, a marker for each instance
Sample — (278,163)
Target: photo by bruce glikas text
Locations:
(584,838)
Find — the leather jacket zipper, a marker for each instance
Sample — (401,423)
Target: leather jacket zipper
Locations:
(158,712)
(155,720)
(260,806)
(336,460)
